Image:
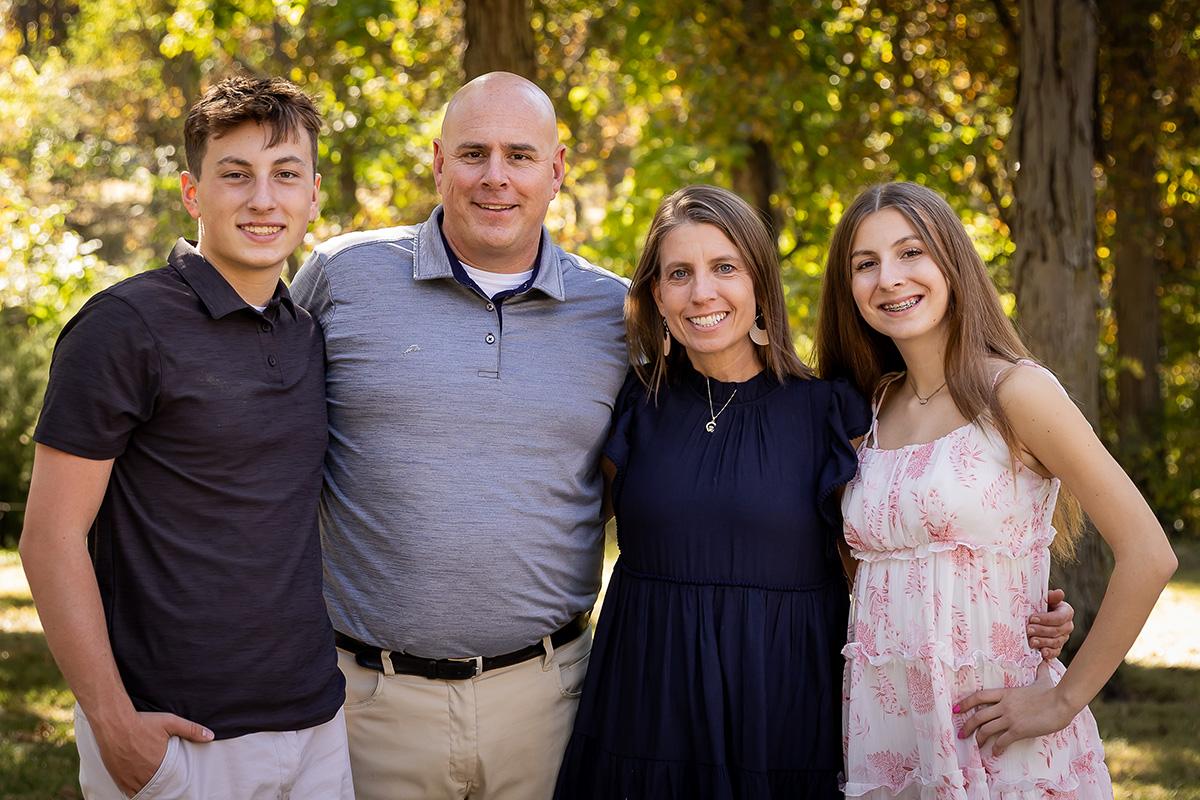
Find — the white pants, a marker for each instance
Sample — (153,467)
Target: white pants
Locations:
(498,736)
(312,764)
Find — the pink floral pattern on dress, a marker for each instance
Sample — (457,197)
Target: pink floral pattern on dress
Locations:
(1007,644)
(952,549)
(920,688)
(895,767)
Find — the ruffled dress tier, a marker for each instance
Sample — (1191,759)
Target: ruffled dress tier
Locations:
(716,664)
(952,540)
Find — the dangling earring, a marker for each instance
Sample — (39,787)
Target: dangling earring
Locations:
(666,339)
(758,334)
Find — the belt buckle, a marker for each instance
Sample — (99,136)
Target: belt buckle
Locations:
(477,660)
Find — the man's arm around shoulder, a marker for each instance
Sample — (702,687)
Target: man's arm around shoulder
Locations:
(65,493)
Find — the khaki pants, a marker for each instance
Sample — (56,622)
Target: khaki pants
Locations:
(498,736)
(311,764)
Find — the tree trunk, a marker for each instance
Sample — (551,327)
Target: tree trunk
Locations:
(499,37)
(1057,284)
(1133,116)
(756,179)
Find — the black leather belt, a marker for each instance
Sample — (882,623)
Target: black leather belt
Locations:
(454,669)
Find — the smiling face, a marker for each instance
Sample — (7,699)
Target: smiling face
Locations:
(254,202)
(898,288)
(705,292)
(497,166)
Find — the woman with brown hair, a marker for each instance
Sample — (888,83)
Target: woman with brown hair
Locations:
(716,664)
(952,517)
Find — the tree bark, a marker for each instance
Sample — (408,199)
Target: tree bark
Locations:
(499,37)
(756,179)
(1129,45)
(1054,225)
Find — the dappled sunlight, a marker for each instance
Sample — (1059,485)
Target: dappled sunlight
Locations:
(1171,637)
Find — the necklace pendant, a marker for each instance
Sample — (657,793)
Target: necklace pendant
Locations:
(710,426)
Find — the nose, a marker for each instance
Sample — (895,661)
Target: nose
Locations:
(891,272)
(704,287)
(263,197)
(495,175)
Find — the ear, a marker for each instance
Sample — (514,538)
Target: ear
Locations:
(314,208)
(559,165)
(189,185)
(439,164)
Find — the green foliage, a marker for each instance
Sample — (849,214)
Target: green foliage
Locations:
(807,101)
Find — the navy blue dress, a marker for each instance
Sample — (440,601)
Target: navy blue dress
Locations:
(716,669)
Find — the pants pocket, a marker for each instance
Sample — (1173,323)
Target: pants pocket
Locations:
(362,685)
(572,665)
(161,780)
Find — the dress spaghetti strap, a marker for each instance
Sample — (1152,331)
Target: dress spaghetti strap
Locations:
(872,437)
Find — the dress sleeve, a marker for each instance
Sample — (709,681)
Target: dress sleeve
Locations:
(848,417)
(620,432)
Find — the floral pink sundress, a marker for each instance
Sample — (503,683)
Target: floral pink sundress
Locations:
(953,552)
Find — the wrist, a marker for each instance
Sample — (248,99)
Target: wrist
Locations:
(110,717)
(1065,702)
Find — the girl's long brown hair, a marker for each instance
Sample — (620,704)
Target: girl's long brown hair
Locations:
(708,205)
(978,328)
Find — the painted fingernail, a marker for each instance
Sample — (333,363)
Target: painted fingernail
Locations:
(962,735)
(956,708)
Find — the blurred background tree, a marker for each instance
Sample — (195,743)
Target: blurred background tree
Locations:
(796,105)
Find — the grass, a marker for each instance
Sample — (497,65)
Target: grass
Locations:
(1150,734)
(1151,738)
(37,740)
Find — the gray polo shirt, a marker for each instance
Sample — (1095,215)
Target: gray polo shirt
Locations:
(461,508)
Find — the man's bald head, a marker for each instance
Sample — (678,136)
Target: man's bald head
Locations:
(503,90)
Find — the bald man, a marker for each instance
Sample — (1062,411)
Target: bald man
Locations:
(472,369)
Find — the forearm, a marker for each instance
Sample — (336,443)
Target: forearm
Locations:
(64,589)
(1137,581)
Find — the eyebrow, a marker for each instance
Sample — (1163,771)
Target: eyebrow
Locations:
(241,162)
(520,147)
(901,240)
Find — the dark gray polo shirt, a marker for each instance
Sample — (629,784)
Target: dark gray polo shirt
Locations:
(205,547)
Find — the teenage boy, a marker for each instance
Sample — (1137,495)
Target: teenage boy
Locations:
(171,531)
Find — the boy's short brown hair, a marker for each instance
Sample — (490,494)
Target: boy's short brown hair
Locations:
(274,102)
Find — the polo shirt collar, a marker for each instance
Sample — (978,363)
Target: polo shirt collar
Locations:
(218,297)
(433,259)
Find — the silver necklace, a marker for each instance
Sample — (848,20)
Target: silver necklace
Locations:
(925,400)
(711,425)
